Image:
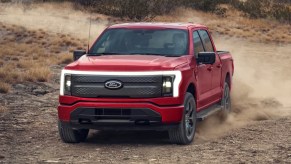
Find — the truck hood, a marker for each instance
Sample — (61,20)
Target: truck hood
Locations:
(127,63)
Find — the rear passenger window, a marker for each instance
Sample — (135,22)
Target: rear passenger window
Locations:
(206,41)
(198,46)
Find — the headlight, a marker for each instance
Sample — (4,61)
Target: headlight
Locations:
(67,85)
(168,85)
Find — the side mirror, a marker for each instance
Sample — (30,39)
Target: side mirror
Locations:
(78,54)
(206,57)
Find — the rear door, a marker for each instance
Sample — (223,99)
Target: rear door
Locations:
(216,67)
(204,74)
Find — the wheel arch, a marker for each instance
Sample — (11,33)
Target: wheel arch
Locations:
(192,89)
(228,79)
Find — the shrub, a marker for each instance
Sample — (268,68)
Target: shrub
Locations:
(65,58)
(282,12)
(132,9)
(274,9)
(138,10)
(37,74)
(4,87)
(205,5)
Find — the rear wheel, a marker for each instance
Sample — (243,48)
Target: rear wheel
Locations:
(70,135)
(225,102)
(185,132)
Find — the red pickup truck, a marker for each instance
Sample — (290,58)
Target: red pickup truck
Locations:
(145,76)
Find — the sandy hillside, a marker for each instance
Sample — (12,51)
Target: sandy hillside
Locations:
(257,131)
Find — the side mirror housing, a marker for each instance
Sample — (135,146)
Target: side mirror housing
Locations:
(206,57)
(78,54)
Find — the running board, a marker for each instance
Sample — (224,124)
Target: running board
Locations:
(202,115)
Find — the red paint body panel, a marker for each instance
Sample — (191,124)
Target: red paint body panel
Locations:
(208,80)
(171,114)
(163,101)
(126,63)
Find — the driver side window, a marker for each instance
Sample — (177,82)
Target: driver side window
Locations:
(206,41)
(198,46)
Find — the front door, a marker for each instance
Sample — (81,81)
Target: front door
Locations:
(204,75)
(216,67)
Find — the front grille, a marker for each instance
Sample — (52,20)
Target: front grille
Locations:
(133,86)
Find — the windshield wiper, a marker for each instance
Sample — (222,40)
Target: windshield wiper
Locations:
(172,55)
(114,53)
(146,54)
(166,55)
(105,53)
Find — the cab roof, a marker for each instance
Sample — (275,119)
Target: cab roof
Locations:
(157,25)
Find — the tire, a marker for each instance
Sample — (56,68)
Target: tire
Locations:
(185,132)
(225,102)
(70,135)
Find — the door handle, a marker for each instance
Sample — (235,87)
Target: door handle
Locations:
(209,68)
(219,66)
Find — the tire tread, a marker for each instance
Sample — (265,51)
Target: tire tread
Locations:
(69,135)
(177,135)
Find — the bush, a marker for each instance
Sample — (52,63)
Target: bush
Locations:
(205,5)
(138,10)
(282,12)
(37,74)
(132,9)
(274,9)
(142,9)
(4,87)
(253,8)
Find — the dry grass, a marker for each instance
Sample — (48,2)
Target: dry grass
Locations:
(3,109)
(8,74)
(234,24)
(40,74)
(26,55)
(65,58)
(4,88)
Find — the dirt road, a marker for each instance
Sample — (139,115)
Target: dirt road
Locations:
(258,131)
(29,135)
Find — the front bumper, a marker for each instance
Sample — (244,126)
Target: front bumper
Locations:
(117,113)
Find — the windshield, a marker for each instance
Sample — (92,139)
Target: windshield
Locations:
(166,42)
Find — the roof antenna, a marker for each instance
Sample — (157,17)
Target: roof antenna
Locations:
(89,37)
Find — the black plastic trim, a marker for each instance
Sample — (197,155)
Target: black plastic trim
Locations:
(100,117)
(156,127)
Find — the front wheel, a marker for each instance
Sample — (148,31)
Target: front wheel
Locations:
(70,135)
(185,132)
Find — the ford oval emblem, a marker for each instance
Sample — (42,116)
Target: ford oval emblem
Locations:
(113,84)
